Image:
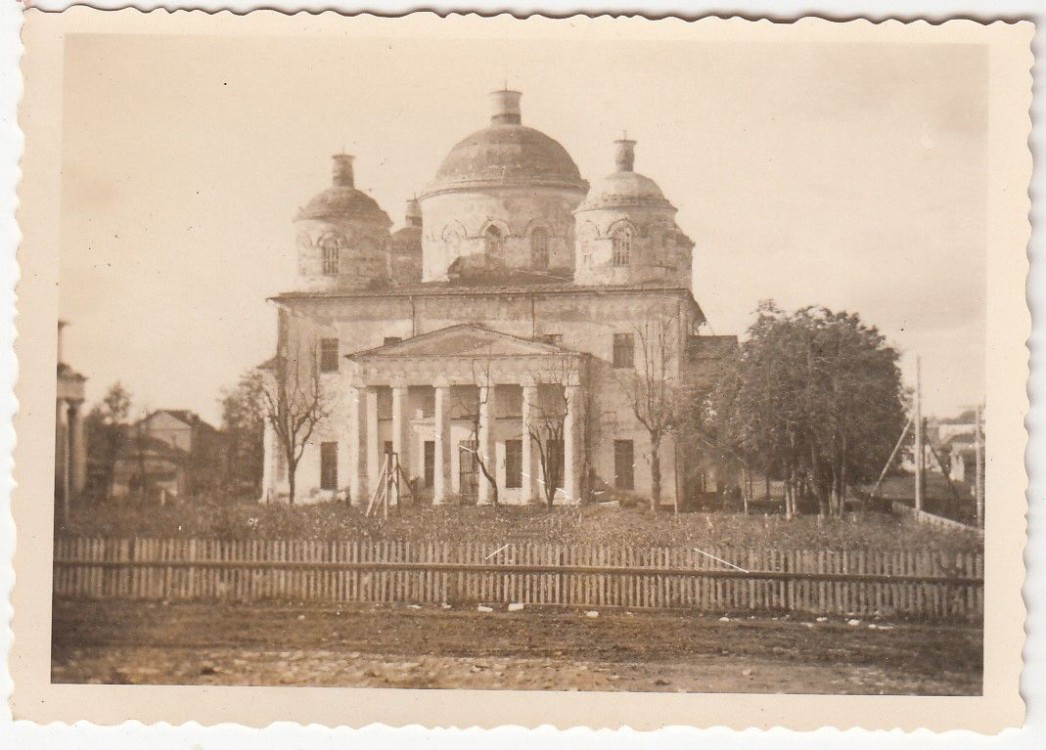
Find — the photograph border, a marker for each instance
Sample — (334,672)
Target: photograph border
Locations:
(1008,326)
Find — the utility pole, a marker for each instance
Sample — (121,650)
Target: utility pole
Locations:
(978,489)
(918,437)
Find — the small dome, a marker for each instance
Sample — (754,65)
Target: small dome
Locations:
(624,187)
(507,152)
(342,200)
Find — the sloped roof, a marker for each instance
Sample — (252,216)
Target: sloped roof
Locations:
(186,416)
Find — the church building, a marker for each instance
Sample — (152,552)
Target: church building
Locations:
(508,344)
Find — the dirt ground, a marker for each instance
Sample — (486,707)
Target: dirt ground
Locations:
(532,649)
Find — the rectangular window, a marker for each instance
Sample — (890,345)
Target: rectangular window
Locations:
(328,466)
(513,464)
(430,463)
(328,355)
(556,339)
(331,251)
(622,246)
(392,340)
(624,465)
(624,350)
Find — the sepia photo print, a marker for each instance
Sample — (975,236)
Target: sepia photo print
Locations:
(531,357)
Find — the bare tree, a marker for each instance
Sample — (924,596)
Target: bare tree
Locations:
(295,403)
(472,409)
(547,423)
(653,390)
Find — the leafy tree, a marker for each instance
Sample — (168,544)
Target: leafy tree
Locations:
(816,397)
(243,428)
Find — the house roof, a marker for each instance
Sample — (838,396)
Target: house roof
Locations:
(186,416)
(464,340)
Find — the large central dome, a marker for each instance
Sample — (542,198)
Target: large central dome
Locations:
(507,153)
(502,204)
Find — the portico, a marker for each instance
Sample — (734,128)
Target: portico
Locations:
(464,405)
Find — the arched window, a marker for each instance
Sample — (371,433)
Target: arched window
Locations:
(330,246)
(539,248)
(495,241)
(622,244)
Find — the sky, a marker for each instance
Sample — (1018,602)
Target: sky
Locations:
(848,175)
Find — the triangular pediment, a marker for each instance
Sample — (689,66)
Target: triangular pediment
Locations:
(464,340)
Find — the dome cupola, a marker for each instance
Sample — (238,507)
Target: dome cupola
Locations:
(342,235)
(625,187)
(342,200)
(626,231)
(502,202)
(506,153)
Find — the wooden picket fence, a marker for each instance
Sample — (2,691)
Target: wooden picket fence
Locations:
(854,582)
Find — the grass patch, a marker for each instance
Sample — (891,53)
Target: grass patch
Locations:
(628,527)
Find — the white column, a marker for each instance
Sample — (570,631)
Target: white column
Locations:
(67,474)
(441,438)
(571,454)
(372,441)
(485,440)
(530,471)
(78,452)
(268,469)
(357,446)
(400,433)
